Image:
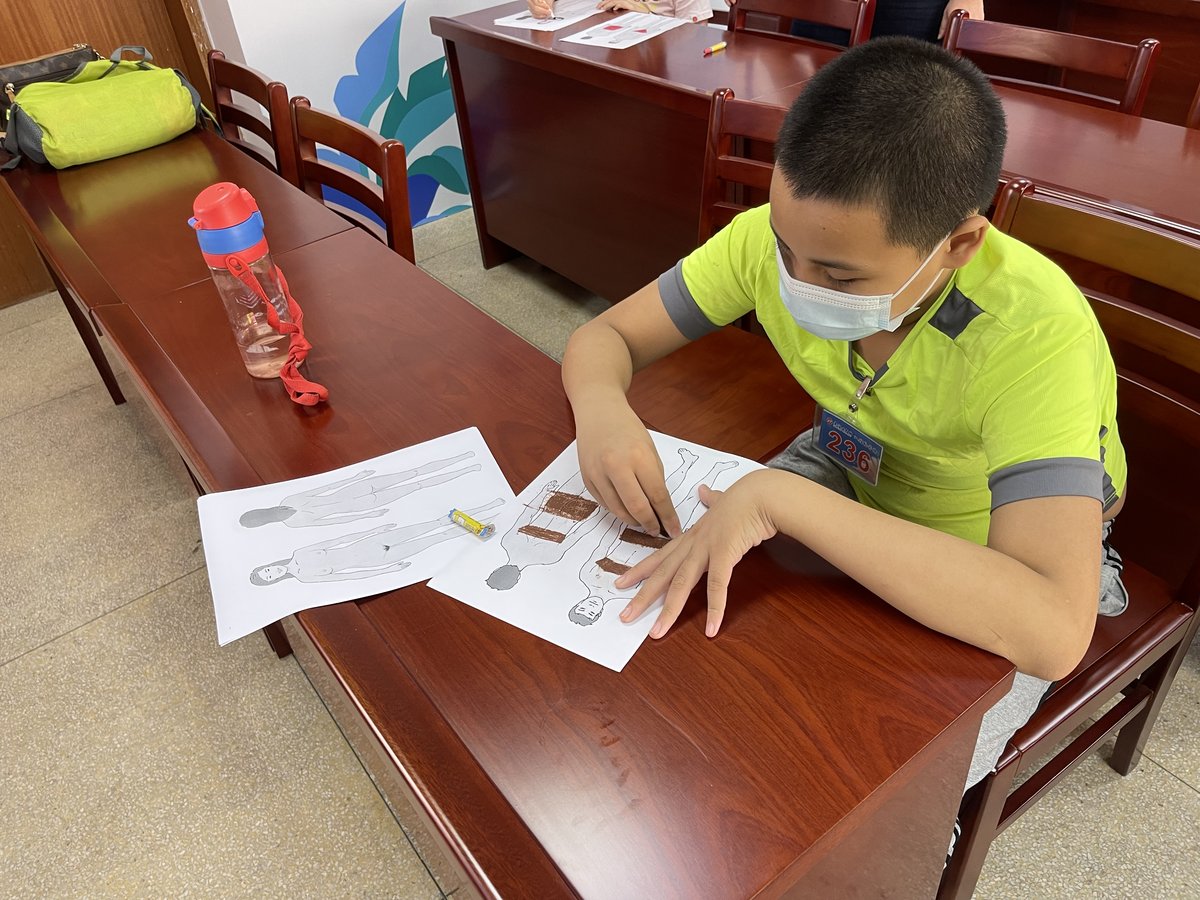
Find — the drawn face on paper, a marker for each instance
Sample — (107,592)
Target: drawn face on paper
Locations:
(586,612)
(272,573)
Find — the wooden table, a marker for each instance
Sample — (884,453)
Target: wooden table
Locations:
(816,748)
(589,161)
(116,231)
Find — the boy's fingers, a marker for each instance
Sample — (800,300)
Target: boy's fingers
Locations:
(645,568)
(590,487)
(634,498)
(657,570)
(608,497)
(719,574)
(664,509)
(682,582)
(708,496)
(641,601)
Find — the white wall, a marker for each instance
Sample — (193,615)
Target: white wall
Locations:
(336,55)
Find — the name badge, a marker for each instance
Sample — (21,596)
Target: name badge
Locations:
(849,447)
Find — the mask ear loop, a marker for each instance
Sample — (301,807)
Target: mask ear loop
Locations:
(896,322)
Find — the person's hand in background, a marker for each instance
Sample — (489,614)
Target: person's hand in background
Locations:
(974,9)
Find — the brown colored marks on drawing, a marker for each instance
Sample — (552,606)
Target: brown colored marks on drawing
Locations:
(542,534)
(633,536)
(612,567)
(570,506)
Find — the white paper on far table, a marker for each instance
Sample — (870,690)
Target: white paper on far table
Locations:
(566,12)
(625,31)
(550,569)
(376,526)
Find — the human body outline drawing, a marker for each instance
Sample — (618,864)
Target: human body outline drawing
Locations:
(365,495)
(364,554)
(627,546)
(554,522)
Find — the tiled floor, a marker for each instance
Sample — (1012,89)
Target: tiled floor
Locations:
(138,759)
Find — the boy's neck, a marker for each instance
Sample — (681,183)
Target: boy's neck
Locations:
(878,348)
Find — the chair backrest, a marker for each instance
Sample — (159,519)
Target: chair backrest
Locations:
(1130,65)
(729,174)
(1193,119)
(384,157)
(228,78)
(853,15)
(1155,342)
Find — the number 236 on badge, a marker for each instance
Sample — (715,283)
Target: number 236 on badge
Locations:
(849,447)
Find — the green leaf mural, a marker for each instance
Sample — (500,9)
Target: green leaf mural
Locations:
(445,165)
(410,115)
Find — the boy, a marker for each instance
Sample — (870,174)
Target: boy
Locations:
(966,455)
(692,10)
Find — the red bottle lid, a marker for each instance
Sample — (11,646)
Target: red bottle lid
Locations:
(222,205)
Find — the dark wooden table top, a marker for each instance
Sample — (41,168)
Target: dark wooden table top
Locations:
(669,69)
(119,227)
(706,768)
(1147,167)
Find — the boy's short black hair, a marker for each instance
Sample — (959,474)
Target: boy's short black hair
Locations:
(902,124)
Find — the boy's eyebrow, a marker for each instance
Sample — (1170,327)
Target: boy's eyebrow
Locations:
(827,263)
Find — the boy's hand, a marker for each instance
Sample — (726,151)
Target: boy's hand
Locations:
(736,521)
(622,470)
(541,9)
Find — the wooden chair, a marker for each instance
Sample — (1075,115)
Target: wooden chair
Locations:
(733,180)
(1193,119)
(1131,64)
(384,157)
(275,131)
(1134,656)
(853,15)
(738,163)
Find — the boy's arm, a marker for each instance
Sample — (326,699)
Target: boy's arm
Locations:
(620,465)
(1029,595)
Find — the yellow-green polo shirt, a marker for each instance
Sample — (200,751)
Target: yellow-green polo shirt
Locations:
(1004,390)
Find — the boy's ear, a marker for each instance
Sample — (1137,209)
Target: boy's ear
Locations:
(966,240)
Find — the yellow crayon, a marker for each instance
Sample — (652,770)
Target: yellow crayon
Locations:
(473,525)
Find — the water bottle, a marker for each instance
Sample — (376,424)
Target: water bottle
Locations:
(230,230)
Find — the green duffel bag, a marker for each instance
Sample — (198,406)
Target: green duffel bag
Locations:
(109,108)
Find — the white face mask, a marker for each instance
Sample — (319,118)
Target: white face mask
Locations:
(839,316)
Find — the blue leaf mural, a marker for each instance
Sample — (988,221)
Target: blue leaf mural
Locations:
(410,116)
(378,64)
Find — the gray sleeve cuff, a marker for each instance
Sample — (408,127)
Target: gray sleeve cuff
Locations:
(681,306)
(1062,476)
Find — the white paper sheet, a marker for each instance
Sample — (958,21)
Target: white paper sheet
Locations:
(551,567)
(625,31)
(368,528)
(566,12)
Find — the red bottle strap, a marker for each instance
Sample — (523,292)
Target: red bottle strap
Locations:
(299,388)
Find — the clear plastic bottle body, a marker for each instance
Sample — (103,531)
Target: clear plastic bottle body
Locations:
(264,350)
